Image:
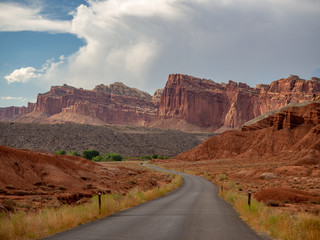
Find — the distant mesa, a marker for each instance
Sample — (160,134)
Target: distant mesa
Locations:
(186,103)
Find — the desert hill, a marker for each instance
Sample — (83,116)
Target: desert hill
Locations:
(127,140)
(293,132)
(32,179)
(186,103)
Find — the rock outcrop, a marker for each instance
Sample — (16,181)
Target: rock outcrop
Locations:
(157,97)
(12,113)
(294,133)
(114,104)
(206,105)
(186,103)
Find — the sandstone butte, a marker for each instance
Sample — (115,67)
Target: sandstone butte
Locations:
(292,133)
(186,103)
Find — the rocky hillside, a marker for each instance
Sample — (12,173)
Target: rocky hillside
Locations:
(293,133)
(205,105)
(112,104)
(186,103)
(13,113)
(126,140)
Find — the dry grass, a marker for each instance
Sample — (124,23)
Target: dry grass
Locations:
(23,225)
(276,223)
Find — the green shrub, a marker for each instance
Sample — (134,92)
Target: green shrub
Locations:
(60,152)
(74,153)
(89,154)
(145,157)
(163,157)
(97,159)
(154,156)
(111,157)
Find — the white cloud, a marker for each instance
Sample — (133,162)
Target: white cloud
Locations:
(14,98)
(140,42)
(22,75)
(14,17)
(29,73)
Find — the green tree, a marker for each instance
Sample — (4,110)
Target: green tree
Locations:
(97,159)
(89,154)
(74,153)
(145,157)
(60,152)
(111,157)
(154,156)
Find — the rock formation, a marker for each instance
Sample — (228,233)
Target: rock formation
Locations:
(294,132)
(12,113)
(186,103)
(157,97)
(114,104)
(204,104)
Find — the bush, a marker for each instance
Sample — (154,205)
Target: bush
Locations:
(60,152)
(97,159)
(145,157)
(163,157)
(89,154)
(111,157)
(154,156)
(74,153)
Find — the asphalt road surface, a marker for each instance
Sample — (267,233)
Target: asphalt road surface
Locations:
(194,211)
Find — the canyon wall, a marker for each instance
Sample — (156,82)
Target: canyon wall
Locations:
(12,113)
(209,105)
(112,104)
(186,103)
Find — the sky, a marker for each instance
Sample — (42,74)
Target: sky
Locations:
(84,43)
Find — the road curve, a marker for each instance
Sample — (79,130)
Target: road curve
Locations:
(194,211)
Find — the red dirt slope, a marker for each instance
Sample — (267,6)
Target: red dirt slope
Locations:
(41,179)
(294,131)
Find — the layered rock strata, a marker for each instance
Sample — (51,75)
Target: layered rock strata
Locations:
(12,113)
(114,104)
(186,103)
(293,133)
(205,104)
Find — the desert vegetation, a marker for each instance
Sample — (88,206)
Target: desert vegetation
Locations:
(126,140)
(108,157)
(276,223)
(28,225)
(60,152)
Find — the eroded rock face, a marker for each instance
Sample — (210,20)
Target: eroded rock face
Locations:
(13,113)
(198,101)
(186,103)
(293,133)
(207,104)
(114,104)
(157,97)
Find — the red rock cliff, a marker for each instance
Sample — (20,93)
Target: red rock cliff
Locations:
(207,104)
(114,104)
(13,113)
(293,132)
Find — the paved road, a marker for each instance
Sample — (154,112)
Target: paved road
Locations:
(194,212)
